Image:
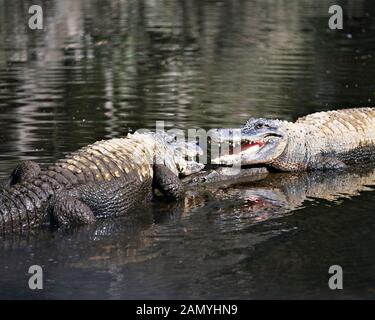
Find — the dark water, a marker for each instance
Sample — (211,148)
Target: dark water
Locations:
(102,68)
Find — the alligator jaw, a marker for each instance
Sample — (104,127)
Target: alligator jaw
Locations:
(248,151)
(247,144)
(248,147)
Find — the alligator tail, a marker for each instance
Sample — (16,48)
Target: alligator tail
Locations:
(24,205)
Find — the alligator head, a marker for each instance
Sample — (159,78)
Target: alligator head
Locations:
(177,154)
(261,142)
(184,157)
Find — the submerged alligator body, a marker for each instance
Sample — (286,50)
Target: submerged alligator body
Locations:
(323,140)
(106,178)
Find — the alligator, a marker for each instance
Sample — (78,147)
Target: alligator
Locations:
(322,140)
(107,178)
(245,203)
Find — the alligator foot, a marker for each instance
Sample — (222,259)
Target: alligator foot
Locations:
(167,182)
(66,210)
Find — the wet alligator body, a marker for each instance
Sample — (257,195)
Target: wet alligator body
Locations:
(323,140)
(107,178)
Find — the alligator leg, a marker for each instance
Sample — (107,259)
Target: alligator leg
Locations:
(88,202)
(167,182)
(26,170)
(85,203)
(65,210)
(328,162)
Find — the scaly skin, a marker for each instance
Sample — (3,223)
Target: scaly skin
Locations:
(106,178)
(323,140)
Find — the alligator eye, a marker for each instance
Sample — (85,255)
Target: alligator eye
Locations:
(259,125)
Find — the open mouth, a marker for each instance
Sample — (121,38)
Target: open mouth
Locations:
(245,147)
(253,145)
(247,144)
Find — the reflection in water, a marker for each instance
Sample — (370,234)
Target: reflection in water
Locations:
(233,218)
(261,196)
(101,68)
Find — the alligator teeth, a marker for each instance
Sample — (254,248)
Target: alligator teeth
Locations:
(246,141)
